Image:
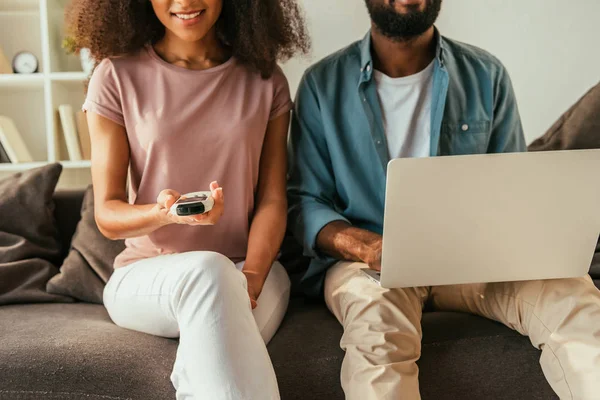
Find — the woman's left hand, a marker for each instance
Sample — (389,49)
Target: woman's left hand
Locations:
(254,288)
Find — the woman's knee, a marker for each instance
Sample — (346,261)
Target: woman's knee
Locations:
(278,279)
(273,302)
(210,271)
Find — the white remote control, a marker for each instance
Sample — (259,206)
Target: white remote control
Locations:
(195,203)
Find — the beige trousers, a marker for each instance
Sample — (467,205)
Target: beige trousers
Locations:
(382,329)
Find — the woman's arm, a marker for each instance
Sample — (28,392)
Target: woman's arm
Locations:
(269,222)
(116,218)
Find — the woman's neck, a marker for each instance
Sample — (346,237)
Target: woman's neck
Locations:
(206,53)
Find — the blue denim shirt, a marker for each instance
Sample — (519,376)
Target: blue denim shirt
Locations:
(338,150)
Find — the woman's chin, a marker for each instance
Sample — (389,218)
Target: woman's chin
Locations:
(188,35)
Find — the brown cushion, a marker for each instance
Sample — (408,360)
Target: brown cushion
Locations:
(29,240)
(595,270)
(578,128)
(89,264)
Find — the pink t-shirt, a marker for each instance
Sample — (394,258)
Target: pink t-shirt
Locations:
(186,129)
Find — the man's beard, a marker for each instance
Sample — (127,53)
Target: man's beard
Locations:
(403,26)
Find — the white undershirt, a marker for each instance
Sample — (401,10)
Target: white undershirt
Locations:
(406,106)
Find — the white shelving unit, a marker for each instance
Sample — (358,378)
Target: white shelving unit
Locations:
(32,100)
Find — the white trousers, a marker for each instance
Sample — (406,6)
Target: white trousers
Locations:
(202,298)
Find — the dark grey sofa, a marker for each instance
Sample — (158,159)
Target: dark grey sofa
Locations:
(73,351)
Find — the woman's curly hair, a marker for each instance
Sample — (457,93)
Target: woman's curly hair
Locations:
(260,32)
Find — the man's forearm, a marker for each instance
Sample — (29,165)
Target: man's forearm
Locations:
(345,242)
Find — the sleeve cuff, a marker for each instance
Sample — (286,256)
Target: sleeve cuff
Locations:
(114,116)
(315,220)
(281,110)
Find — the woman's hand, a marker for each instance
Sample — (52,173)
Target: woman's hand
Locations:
(255,285)
(168,197)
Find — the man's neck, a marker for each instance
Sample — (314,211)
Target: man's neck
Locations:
(399,59)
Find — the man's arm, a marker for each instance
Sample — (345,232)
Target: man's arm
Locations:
(345,242)
(507,130)
(311,182)
(312,192)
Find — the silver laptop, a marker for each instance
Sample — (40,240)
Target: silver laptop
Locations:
(490,218)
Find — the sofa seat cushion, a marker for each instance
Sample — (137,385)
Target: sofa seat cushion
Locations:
(74,351)
(463,356)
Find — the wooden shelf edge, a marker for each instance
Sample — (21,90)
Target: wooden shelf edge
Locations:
(68,77)
(21,80)
(76,164)
(6,167)
(17,167)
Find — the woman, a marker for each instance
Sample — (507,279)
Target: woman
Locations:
(188,93)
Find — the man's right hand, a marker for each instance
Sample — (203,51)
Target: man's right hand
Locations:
(373,254)
(345,242)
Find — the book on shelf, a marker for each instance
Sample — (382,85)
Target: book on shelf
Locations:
(60,146)
(5,65)
(84,135)
(12,142)
(69,130)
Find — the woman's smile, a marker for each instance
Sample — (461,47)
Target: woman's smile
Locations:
(189,18)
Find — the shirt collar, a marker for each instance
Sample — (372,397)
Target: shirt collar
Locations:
(366,60)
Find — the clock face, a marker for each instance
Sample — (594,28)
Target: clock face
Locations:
(25,63)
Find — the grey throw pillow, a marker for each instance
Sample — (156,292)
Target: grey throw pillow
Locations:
(29,239)
(89,264)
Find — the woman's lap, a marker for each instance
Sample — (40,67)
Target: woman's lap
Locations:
(202,298)
(140,296)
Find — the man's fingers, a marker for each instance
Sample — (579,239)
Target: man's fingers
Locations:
(376,267)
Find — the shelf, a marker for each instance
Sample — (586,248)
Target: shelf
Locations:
(21,31)
(32,101)
(76,164)
(6,167)
(20,13)
(26,107)
(21,80)
(69,76)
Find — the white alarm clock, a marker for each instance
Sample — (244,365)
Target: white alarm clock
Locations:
(25,62)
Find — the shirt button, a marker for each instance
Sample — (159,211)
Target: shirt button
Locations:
(465,127)
(369,68)
(379,142)
(364,99)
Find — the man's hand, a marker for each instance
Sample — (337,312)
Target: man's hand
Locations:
(345,242)
(372,255)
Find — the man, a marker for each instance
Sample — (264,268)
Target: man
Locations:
(406,91)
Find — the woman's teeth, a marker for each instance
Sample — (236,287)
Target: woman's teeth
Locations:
(188,16)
